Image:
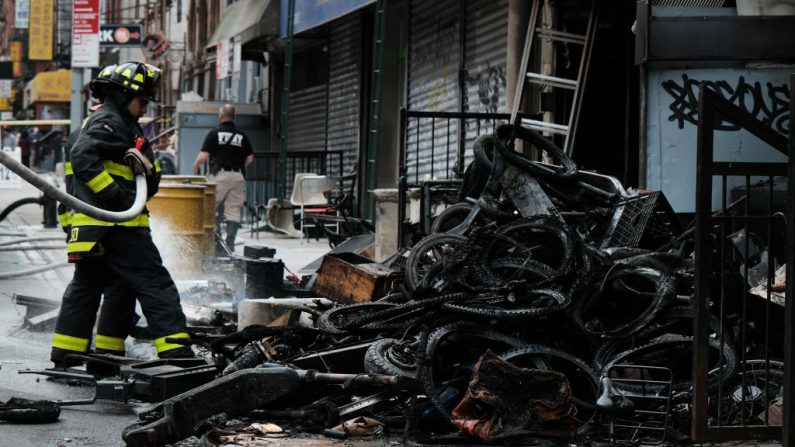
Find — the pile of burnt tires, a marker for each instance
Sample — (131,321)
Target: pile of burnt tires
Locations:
(550,268)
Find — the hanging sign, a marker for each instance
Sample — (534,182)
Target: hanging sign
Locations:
(40,33)
(21,14)
(155,46)
(85,33)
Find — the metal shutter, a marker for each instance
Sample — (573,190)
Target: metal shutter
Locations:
(434,60)
(307,119)
(345,59)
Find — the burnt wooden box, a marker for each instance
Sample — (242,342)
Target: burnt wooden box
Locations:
(351,278)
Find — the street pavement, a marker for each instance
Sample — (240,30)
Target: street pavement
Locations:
(101,423)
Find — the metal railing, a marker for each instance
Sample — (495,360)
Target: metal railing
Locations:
(433,149)
(262,176)
(741,225)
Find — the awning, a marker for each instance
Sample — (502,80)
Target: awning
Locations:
(313,13)
(248,19)
(50,86)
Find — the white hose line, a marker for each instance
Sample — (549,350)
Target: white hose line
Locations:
(74,203)
(42,268)
(34,247)
(33,239)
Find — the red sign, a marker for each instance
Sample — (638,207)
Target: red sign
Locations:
(85,33)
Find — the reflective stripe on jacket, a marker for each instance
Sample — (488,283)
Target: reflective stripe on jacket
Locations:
(100,176)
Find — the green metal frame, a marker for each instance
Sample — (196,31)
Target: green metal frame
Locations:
(281,184)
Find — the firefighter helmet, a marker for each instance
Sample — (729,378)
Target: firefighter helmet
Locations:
(136,78)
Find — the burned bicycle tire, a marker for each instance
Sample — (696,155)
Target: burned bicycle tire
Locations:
(567,166)
(493,310)
(23,411)
(382,357)
(762,386)
(455,213)
(334,320)
(440,335)
(515,240)
(587,301)
(427,252)
(652,354)
(375,320)
(516,268)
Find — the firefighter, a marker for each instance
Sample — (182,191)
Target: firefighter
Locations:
(117,312)
(107,155)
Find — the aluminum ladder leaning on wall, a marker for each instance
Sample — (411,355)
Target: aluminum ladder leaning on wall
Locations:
(537,28)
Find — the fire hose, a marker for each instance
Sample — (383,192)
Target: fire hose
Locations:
(72,202)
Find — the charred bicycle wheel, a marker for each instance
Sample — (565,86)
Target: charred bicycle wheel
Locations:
(428,252)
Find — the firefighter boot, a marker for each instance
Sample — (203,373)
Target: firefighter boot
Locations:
(231,233)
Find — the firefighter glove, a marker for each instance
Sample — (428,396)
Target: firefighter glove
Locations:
(138,162)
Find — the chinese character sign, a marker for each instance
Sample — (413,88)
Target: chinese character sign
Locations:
(41,29)
(16,57)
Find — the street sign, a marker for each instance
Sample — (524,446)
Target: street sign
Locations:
(120,35)
(85,33)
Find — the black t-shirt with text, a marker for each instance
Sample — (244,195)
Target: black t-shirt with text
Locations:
(228,148)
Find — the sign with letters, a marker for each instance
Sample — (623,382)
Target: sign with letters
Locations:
(40,38)
(85,33)
(121,35)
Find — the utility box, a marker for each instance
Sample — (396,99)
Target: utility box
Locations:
(195,119)
(351,278)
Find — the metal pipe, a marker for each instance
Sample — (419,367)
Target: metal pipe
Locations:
(30,271)
(74,203)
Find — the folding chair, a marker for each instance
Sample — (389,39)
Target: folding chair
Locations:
(309,194)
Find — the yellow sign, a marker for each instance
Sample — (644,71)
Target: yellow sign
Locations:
(51,86)
(40,31)
(5,104)
(16,57)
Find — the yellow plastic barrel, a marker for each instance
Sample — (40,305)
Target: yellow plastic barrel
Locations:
(177,220)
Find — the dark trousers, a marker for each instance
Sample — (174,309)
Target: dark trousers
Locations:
(132,259)
(116,318)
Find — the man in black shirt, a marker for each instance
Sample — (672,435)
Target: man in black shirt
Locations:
(229,152)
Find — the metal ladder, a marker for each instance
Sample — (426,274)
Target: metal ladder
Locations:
(536,29)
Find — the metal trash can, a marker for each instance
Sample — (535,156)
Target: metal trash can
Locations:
(177,218)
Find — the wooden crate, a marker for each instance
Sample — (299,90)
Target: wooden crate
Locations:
(351,278)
